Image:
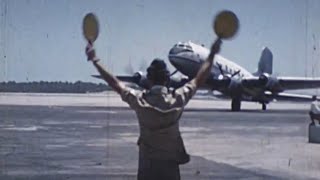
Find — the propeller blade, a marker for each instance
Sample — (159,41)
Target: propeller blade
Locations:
(237,72)
(131,79)
(220,68)
(174,73)
(97,76)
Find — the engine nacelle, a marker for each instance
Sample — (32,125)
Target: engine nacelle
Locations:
(141,80)
(264,78)
(137,76)
(229,83)
(234,84)
(269,82)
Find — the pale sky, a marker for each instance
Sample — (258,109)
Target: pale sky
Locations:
(42,39)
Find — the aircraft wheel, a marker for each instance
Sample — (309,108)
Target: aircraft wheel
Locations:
(264,106)
(235,105)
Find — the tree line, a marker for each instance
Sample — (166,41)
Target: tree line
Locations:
(52,87)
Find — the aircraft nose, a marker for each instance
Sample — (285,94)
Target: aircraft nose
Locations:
(173,56)
(184,62)
(181,60)
(180,57)
(174,60)
(173,51)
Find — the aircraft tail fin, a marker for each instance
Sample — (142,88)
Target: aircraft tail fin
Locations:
(265,62)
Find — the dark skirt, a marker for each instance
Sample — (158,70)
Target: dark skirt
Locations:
(157,169)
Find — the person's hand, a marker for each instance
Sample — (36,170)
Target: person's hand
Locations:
(215,48)
(91,53)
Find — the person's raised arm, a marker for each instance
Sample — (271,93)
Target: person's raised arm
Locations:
(205,69)
(115,83)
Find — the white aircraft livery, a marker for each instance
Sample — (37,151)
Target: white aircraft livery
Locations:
(231,79)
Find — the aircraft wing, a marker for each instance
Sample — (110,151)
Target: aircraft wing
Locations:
(97,76)
(290,83)
(290,97)
(283,83)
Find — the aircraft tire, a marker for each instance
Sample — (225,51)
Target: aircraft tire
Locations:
(264,106)
(236,105)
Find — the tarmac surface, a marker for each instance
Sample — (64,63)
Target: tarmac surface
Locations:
(94,137)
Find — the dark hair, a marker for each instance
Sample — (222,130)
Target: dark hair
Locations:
(157,72)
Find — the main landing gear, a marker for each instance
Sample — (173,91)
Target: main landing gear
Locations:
(236,104)
(264,106)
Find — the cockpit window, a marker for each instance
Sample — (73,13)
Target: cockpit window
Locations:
(181,47)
